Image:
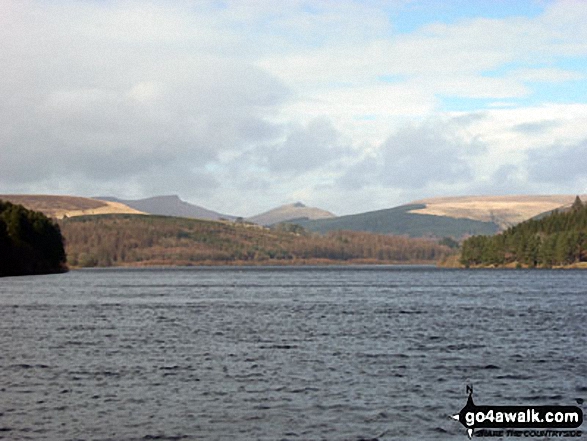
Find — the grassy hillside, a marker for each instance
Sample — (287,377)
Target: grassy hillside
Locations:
(505,211)
(67,206)
(156,240)
(400,221)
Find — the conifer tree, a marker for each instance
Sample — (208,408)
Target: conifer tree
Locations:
(30,242)
(557,239)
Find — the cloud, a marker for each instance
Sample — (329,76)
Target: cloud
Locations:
(536,128)
(549,75)
(112,94)
(418,156)
(255,104)
(476,58)
(306,148)
(508,179)
(564,165)
(361,174)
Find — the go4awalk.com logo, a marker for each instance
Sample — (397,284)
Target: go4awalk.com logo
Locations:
(519,421)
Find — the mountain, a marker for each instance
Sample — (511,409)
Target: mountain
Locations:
(290,212)
(170,206)
(505,211)
(68,206)
(456,217)
(403,220)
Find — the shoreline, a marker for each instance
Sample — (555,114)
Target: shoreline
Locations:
(454,263)
(271,263)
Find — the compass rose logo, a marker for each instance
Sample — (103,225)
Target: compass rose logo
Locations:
(474,417)
(468,407)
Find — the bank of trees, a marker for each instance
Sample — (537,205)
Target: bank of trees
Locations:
(558,239)
(148,240)
(30,242)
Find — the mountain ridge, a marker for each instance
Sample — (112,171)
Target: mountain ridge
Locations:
(447,216)
(170,205)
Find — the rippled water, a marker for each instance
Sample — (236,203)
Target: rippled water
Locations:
(343,353)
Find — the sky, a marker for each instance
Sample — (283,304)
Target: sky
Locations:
(243,105)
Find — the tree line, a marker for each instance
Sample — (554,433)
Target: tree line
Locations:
(30,242)
(112,240)
(558,239)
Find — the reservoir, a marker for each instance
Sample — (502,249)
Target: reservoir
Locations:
(283,353)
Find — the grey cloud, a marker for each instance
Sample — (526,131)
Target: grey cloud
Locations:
(505,174)
(561,164)
(97,107)
(416,157)
(433,153)
(360,175)
(304,153)
(535,128)
(507,179)
(306,148)
(256,129)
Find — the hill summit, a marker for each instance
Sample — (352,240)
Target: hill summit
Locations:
(290,212)
(504,211)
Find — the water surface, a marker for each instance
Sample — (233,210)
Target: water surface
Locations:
(334,353)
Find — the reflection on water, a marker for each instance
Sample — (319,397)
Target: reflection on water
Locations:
(341,353)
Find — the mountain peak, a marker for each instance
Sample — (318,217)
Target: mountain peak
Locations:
(166,197)
(289,212)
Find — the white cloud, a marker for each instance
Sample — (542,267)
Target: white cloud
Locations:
(549,74)
(241,106)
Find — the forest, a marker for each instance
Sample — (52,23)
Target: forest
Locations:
(30,242)
(115,240)
(556,240)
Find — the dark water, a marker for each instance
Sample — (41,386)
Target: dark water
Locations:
(277,353)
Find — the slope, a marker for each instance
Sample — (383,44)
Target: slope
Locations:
(403,220)
(502,210)
(68,206)
(171,205)
(112,240)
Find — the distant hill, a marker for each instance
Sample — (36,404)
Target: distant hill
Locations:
(290,212)
(456,217)
(67,206)
(504,211)
(403,220)
(170,205)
